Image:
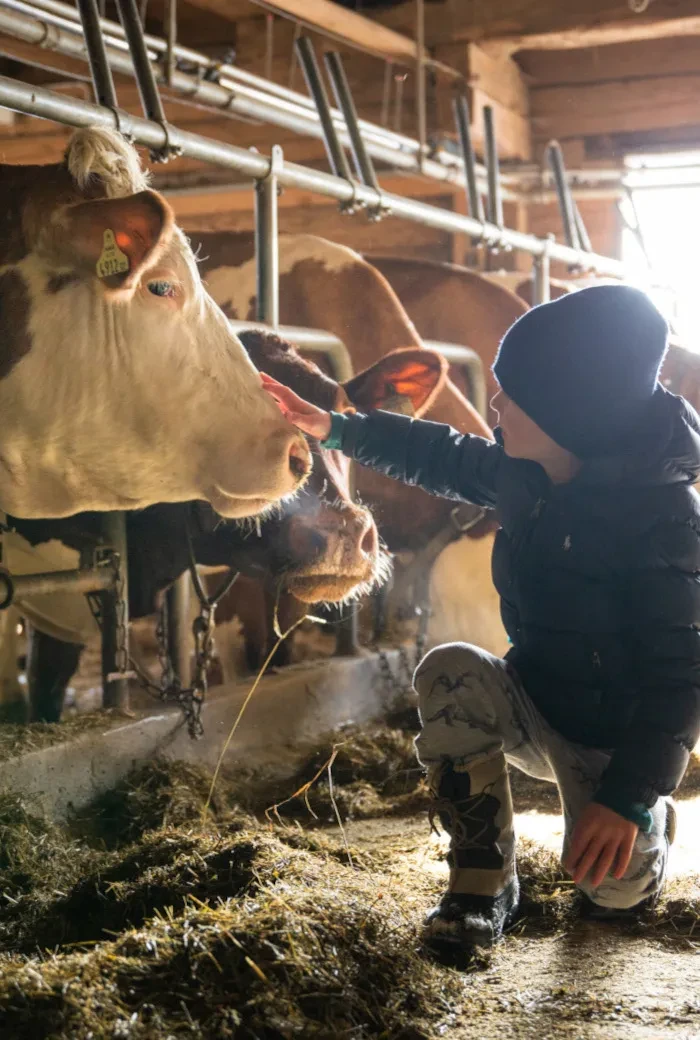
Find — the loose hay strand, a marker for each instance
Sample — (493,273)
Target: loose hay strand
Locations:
(246,702)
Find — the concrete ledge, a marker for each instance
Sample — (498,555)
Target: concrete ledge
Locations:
(288,715)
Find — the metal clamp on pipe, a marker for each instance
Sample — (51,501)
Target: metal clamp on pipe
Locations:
(363,164)
(336,156)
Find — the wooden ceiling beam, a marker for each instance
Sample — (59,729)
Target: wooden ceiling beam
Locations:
(542,24)
(332,20)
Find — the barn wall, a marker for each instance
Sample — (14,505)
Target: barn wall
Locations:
(600,216)
(389,235)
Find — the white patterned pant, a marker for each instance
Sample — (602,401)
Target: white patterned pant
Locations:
(472,705)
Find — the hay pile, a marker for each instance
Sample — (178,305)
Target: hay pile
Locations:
(19,739)
(142,919)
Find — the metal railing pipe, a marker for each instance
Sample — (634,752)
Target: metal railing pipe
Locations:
(179,634)
(115,620)
(267,244)
(312,74)
(343,96)
(495,200)
(315,341)
(99,67)
(566,203)
(582,233)
(231,96)
(541,289)
(44,583)
(133,30)
(460,108)
(470,361)
(39,101)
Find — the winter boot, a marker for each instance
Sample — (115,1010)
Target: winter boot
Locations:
(475,808)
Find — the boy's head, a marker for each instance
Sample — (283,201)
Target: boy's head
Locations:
(582,370)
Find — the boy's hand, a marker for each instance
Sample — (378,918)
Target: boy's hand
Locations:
(307,417)
(601,844)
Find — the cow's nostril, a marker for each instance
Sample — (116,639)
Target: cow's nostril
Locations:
(368,542)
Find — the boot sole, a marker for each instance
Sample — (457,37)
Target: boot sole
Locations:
(451,944)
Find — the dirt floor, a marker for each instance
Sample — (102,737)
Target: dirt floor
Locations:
(580,980)
(145,919)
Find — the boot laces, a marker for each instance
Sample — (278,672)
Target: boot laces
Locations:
(466,829)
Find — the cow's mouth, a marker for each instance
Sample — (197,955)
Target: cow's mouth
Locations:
(330,588)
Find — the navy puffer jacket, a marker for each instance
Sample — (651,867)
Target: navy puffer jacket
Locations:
(599,579)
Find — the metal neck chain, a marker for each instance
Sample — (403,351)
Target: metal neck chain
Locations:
(170,689)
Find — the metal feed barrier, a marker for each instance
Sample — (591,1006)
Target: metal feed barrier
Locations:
(108,46)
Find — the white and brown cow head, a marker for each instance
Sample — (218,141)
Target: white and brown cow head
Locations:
(325,547)
(121,383)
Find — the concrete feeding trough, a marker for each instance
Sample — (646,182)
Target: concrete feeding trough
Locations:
(286,718)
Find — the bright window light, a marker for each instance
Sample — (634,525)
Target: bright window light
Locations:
(669,219)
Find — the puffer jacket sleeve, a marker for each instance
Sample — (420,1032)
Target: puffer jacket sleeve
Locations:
(661,605)
(429,455)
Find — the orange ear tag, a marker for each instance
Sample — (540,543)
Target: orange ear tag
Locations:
(112,261)
(398,403)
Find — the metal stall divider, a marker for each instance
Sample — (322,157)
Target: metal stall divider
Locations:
(177,634)
(114,602)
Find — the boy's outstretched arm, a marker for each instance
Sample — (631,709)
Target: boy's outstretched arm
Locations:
(425,454)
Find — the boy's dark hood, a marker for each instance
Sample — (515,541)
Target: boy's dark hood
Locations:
(664,449)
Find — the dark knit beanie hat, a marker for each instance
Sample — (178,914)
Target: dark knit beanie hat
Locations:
(584,366)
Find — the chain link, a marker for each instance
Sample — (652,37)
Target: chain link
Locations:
(170,689)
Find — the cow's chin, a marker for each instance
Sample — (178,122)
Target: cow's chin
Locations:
(232,508)
(329,588)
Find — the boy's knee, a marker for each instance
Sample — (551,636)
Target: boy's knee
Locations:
(455,673)
(449,659)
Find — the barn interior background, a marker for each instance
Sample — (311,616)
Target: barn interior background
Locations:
(436,122)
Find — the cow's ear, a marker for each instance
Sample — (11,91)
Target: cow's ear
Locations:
(113,239)
(404,381)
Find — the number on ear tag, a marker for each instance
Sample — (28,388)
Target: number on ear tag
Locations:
(112,260)
(399,403)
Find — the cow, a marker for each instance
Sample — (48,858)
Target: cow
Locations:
(121,382)
(319,547)
(328,286)
(451,303)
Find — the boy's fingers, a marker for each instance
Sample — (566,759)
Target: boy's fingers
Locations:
(604,863)
(624,855)
(579,843)
(586,861)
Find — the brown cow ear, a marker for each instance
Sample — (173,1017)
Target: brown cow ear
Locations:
(404,381)
(114,239)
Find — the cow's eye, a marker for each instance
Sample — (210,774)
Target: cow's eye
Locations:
(161,288)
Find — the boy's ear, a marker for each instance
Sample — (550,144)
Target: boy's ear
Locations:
(406,381)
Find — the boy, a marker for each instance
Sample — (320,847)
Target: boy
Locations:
(597,564)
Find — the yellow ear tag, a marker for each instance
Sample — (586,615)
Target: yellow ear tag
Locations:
(112,260)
